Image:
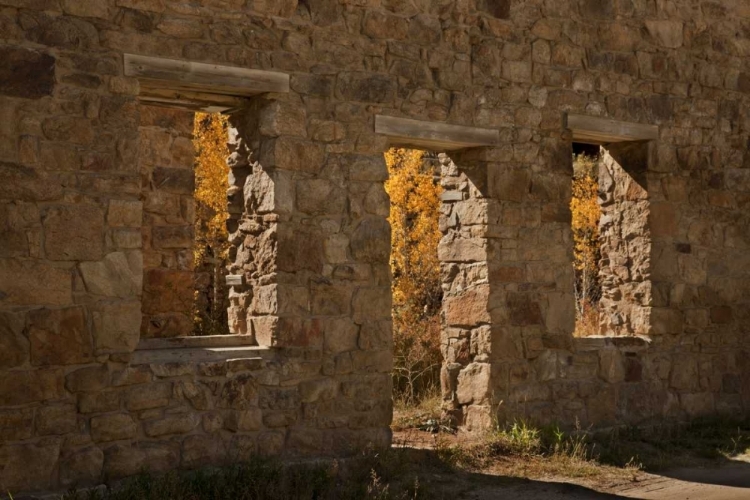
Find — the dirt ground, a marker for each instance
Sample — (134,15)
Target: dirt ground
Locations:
(521,478)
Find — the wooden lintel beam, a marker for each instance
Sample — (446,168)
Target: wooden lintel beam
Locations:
(172,74)
(594,130)
(435,136)
(190,100)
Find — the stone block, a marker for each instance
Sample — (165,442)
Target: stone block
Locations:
(283,119)
(119,274)
(468,308)
(292,153)
(474,384)
(611,366)
(21,183)
(320,196)
(89,379)
(371,304)
(125,213)
(56,420)
(318,390)
(200,451)
(244,421)
(370,241)
(172,237)
(59,336)
(114,427)
(82,468)
(26,73)
(17,460)
(148,396)
(238,393)
(457,249)
(174,180)
(14,346)
(117,326)
(31,386)
(125,460)
(98,402)
(366,87)
(172,424)
(74,232)
(34,283)
(167,290)
(16,424)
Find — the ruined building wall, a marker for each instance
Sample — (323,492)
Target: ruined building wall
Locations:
(625,239)
(166,162)
(78,401)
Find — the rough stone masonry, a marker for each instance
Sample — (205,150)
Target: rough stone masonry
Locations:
(96,377)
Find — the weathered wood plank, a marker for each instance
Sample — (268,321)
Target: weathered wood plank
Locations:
(433,135)
(594,130)
(198,341)
(191,100)
(158,72)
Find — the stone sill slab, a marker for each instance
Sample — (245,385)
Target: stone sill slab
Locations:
(625,344)
(200,354)
(199,349)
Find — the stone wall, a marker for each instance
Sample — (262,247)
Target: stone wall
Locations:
(166,159)
(625,241)
(73,208)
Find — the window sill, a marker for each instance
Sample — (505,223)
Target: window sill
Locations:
(624,344)
(199,349)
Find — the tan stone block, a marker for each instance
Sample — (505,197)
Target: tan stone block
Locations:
(149,396)
(320,196)
(99,402)
(340,335)
(74,232)
(291,153)
(699,404)
(24,387)
(243,448)
(244,421)
(371,304)
(167,291)
(16,462)
(131,375)
(468,308)
(238,393)
(14,346)
(474,384)
(370,241)
(89,379)
(56,420)
(34,283)
(318,390)
(125,460)
(668,33)
(68,129)
(458,249)
(172,424)
(125,213)
(82,468)
(16,424)
(198,394)
(199,451)
(59,337)
(117,326)
(283,119)
(611,366)
(85,8)
(113,427)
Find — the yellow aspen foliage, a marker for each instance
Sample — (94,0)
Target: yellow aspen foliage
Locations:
(211,184)
(415,210)
(585,210)
(211,237)
(417,294)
